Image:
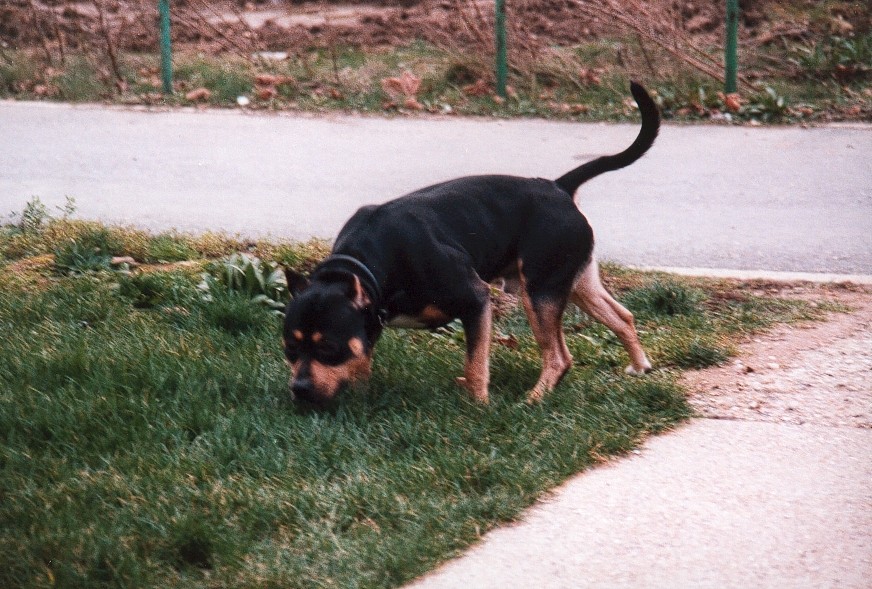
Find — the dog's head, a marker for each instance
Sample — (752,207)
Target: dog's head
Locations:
(329,332)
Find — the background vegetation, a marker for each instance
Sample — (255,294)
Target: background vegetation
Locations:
(799,61)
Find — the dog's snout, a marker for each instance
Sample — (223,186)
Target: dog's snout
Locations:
(303,388)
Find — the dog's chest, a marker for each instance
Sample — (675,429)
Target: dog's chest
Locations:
(429,317)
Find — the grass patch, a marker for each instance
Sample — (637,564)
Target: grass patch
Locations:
(146,437)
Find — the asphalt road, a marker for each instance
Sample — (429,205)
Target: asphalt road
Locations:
(779,199)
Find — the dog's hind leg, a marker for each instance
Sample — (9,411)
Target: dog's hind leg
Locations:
(592,297)
(545,314)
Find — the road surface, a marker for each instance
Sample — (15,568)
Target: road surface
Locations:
(782,199)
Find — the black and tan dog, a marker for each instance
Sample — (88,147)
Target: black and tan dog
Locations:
(427,258)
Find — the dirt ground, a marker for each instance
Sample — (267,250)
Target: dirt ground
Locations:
(814,372)
(283,25)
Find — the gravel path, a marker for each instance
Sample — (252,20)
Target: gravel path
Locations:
(816,373)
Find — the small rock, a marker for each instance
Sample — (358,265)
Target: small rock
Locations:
(118,260)
(773,366)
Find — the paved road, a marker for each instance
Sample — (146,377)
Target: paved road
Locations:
(785,199)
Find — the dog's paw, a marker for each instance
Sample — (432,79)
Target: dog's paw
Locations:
(644,369)
(480,396)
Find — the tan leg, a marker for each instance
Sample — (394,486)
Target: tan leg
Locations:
(477,368)
(592,297)
(545,321)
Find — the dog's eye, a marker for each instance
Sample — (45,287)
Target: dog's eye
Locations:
(292,351)
(328,352)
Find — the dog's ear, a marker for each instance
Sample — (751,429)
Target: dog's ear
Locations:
(357,293)
(350,284)
(297,282)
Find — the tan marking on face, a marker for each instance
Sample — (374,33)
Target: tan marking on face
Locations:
(356,346)
(298,335)
(327,380)
(317,337)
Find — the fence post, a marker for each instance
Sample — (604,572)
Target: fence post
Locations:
(502,61)
(731,45)
(166,52)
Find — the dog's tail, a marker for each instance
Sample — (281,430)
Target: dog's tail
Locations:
(650,125)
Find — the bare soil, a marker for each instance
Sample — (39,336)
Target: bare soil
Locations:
(815,372)
(284,25)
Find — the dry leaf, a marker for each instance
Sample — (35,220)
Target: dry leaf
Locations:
(405,86)
(198,94)
(412,103)
(479,88)
(266,92)
(733,102)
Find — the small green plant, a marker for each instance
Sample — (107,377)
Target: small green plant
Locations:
(261,281)
(90,251)
(767,107)
(845,59)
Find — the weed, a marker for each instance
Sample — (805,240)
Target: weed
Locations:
(767,107)
(88,252)
(844,59)
(261,281)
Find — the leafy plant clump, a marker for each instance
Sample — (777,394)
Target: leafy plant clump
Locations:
(261,281)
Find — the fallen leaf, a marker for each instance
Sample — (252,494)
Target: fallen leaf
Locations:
(478,88)
(198,94)
(404,86)
(266,92)
(733,102)
(412,103)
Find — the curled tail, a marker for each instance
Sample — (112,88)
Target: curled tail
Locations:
(650,125)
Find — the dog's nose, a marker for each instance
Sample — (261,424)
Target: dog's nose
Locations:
(303,389)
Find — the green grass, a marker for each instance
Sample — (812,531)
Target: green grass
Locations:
(147,438)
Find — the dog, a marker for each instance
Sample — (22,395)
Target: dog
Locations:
(429,257)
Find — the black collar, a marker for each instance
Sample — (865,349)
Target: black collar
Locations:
(367,279)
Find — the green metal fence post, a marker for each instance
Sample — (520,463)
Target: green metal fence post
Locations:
(166,52)
(731,57)
(502,66)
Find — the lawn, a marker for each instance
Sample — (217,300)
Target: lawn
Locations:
(147,438)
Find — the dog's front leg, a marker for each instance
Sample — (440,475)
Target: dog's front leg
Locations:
(477,327)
